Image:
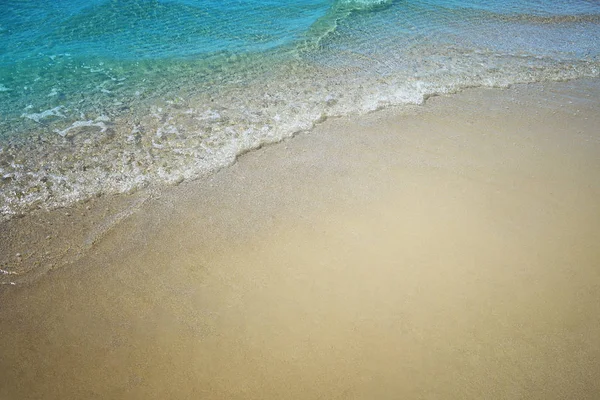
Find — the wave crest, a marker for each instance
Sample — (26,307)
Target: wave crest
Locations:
(340,9)
(363,4)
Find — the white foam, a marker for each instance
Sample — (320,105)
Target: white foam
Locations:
(209,115)
(4,88)
(365,3)
(98,122)
(167,129)
(4,272)
(37,117)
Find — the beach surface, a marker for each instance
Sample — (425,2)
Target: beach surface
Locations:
(443,251)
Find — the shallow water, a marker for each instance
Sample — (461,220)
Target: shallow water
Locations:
(109,96)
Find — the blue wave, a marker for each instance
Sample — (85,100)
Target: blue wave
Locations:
(101,96)
(143,29)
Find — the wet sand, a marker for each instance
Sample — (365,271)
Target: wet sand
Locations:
(446,251)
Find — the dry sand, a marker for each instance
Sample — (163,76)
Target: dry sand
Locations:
(443,252)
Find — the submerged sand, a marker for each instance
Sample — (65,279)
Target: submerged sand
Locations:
(446,251)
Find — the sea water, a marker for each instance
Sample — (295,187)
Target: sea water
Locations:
(108,96)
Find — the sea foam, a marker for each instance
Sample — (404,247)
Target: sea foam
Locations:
(110,100)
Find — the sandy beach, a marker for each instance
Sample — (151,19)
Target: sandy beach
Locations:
(443,251)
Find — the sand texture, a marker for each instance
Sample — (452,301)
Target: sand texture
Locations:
(448,251)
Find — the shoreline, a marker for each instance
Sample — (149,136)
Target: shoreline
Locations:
(34,250)
(455,240)
(31,248)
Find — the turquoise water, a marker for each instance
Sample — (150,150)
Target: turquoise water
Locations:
(102,96)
